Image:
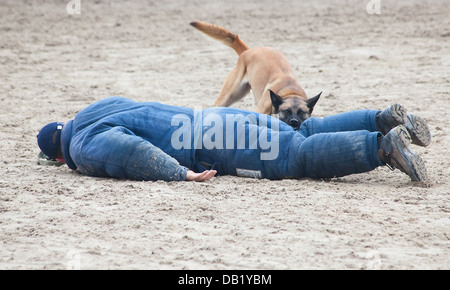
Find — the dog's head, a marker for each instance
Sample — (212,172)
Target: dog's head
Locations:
(293,111)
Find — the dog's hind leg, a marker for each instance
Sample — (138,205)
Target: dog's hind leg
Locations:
(233,88)
(241,92)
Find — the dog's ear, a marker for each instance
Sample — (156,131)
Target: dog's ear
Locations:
(276,100)
(311,102)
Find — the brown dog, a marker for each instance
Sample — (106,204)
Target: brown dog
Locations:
(269,76)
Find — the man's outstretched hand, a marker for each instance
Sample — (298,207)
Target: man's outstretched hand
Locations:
(205,175)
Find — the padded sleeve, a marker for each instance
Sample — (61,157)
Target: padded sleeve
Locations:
(118,153)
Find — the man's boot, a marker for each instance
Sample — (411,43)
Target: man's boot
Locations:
(396,115)
(395,152)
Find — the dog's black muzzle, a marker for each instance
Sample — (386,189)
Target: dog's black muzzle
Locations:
(294,123)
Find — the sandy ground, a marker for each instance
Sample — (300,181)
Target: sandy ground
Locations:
(53,64)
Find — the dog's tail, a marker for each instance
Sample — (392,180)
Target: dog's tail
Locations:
(230,39)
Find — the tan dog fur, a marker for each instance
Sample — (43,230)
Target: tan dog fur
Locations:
(266,69)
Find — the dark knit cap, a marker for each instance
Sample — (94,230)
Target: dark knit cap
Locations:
(49,139)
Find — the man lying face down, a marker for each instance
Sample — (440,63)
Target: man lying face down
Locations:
(120,138)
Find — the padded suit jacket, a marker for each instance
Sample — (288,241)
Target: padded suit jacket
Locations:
(118,137)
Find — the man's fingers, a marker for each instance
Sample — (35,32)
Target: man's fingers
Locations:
(203,176)
(206,175)
(211,173)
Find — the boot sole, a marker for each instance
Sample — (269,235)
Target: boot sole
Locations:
(398,113)
(418,129)
(408,161)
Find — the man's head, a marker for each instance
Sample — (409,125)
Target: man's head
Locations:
(49,139)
